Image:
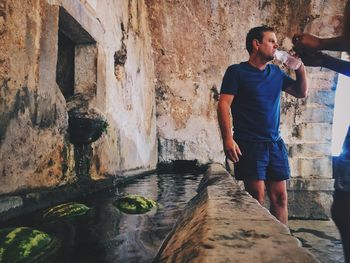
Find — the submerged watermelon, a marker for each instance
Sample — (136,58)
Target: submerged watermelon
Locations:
(65,210)
(135,204)
(23,244)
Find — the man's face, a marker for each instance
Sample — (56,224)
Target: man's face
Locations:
(268,46)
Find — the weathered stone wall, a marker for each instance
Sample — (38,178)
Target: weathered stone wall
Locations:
(196,41)
(35,149)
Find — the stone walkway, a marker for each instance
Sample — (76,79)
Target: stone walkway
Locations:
(223,223)
(321,238)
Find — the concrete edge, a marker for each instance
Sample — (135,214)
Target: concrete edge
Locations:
(20,203)
(223,223)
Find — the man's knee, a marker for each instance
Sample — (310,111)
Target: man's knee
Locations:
(256,189)
(258,195)
(279,199)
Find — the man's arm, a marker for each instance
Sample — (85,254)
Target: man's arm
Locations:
(299,89)
(231,148)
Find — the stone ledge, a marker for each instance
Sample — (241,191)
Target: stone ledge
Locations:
(26,202)
(223,223)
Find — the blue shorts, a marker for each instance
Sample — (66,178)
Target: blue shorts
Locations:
(262,161)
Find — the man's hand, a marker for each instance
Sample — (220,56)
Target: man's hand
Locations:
(306,41)
(232,150)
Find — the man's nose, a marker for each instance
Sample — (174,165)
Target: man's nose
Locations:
(276,46)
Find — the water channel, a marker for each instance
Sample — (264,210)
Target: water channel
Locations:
(105,234)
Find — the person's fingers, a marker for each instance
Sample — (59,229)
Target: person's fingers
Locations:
(239,150)
(296,38)
(235,155)
(229,155)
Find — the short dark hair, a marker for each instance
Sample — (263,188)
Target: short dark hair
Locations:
(256,33)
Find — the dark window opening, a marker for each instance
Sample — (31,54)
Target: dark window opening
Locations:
(65,65)
(72,37)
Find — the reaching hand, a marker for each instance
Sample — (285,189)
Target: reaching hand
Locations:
(232,150)
(306,41)
(313,58)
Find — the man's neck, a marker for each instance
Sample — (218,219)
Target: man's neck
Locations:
(257,62)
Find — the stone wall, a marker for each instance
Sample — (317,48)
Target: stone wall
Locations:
(35,147)
(194,42)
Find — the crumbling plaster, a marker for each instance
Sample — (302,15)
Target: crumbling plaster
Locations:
(194,42)
(35,149)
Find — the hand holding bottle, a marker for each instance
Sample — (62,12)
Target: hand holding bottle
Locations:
(289,60)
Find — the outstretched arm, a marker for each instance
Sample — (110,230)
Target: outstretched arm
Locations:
(307,41)
(338,65)
(231,148)
(319,59)
(299,89)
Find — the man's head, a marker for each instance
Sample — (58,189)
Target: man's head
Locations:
(262,40)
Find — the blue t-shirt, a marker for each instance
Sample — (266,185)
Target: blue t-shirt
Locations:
(256,105)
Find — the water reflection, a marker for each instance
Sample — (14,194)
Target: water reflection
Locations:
(107,235)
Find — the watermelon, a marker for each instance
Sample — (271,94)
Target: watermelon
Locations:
(23,244)
(65,210)
(134,204)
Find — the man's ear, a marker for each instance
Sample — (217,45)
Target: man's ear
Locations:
(256,44)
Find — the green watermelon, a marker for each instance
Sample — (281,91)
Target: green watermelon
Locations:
(65,211)
(26,245)
(134,204)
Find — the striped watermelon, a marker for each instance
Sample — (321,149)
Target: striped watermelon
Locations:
(26,245)
(65,211)
(134,204)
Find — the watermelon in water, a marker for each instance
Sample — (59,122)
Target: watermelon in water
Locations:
(65,211)
(26,245)
(134,204)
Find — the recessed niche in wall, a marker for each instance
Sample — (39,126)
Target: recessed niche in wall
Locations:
(76,68)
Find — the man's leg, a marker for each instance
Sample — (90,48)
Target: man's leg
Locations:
(341,217)
(256,188)
(277,192)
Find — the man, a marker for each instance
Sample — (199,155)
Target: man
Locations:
(251,90)
(308,45)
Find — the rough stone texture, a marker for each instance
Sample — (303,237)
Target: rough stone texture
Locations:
(195,41)
(225,224)
(33,118)
(311,233)
(35,149)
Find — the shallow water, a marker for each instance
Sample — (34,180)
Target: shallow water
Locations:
(107,235)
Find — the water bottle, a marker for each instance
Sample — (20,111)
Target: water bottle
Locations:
(291,62)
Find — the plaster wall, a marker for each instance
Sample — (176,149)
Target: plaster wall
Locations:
(194,43)
(35,149)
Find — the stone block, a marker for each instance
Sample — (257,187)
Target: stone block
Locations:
(315,167)
(10,202)
(307,133)
(309,204)
(315,115)
(309,150)
(321,97)
(310,198)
